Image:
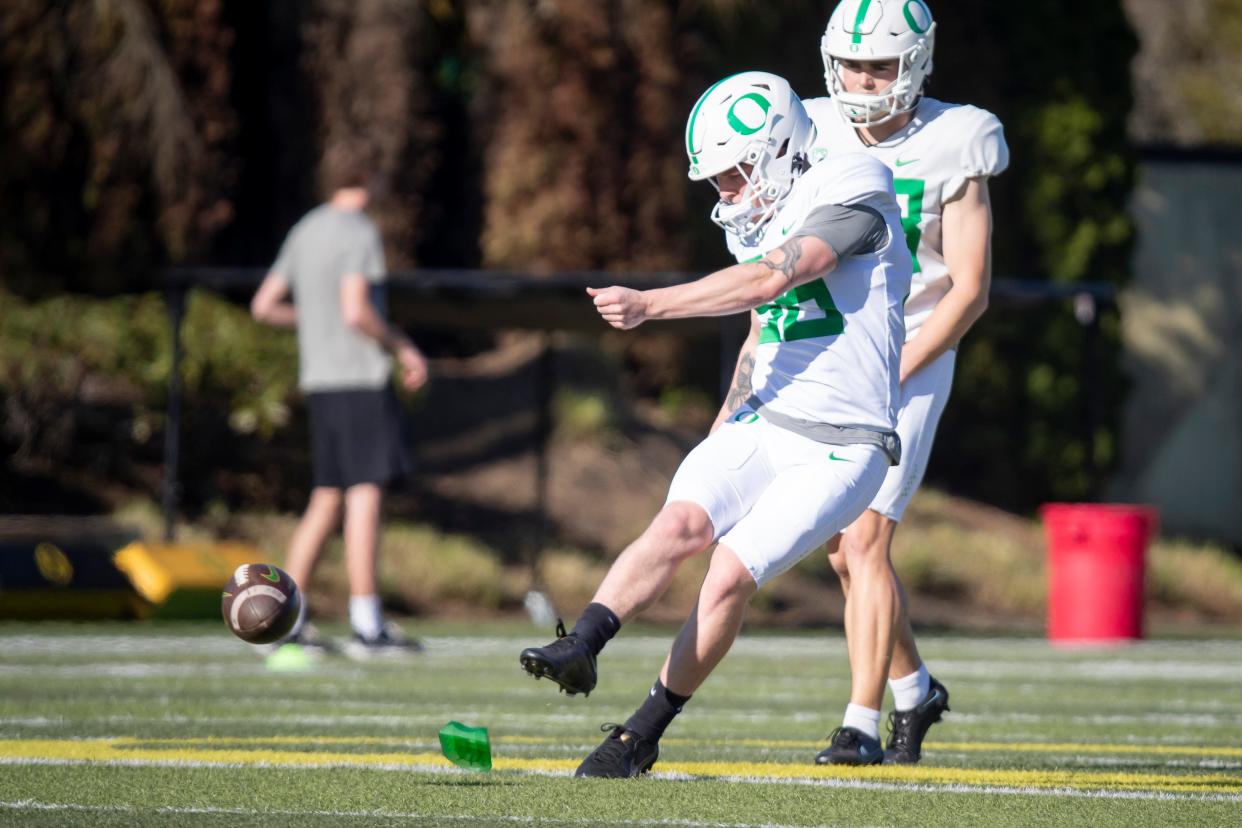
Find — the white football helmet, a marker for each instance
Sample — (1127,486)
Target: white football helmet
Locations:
(901,30)
(750,118)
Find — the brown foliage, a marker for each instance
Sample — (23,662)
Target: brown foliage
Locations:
(584,168)
(115,120)
(370,89)
(1187,78)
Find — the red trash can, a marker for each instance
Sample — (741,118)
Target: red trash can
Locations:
(1096,561)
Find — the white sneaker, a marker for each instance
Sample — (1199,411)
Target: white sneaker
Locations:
(389,643)
(308,639)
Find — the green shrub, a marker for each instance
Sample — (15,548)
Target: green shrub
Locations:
(1206,577)
(51,346)
(570,577)
(429,567)
(580,413)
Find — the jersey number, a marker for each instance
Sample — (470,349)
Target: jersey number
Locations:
(911,213)
(781,323)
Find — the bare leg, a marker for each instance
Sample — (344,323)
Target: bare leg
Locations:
(905,658)
(873,606)
(836,559)
(322,516)
(641,574)
(362,523)
(713,625)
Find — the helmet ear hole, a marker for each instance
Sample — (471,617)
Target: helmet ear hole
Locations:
(784,149)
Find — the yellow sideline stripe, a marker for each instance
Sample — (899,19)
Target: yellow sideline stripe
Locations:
(1204,751)
(121,750)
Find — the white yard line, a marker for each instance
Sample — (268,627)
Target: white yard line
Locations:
(1182,719)
(958,788)
(490,718)
(406,767)
(33,805)
(1017,651)
(525,721)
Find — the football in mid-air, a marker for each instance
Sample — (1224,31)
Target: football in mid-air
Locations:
(260,603)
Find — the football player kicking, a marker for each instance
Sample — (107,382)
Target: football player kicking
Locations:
(877,55)
(822,261)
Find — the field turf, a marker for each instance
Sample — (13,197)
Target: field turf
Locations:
(133,725)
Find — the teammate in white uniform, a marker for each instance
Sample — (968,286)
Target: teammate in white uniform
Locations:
(822,258)
(877,55)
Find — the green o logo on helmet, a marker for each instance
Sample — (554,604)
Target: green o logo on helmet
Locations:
(759,111)
(920,20)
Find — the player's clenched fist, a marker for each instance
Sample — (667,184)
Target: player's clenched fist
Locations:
(621,307)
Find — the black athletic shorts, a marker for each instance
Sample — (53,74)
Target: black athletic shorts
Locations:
(357,437)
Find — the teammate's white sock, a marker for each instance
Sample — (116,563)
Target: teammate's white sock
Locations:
(909,690)
(365,616)
(863,719)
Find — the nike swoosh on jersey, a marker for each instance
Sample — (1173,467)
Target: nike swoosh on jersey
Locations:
(832,455)
(902,162)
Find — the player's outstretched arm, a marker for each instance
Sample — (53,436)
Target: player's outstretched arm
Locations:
(734,289)
(967,228)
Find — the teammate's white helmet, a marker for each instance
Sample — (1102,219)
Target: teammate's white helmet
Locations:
(750,118)
(901,30)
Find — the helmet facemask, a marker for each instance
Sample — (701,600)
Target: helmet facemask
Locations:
(768,184)
(902,95)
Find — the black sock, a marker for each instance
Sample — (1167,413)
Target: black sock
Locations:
(656,713)
(596,626)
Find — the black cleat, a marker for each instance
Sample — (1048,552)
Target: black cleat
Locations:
(850,746)
(906,728)
(623,755)
(567,661)
(391,642)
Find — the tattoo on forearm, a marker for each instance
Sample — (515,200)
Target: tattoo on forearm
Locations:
(740,391)
(793,251)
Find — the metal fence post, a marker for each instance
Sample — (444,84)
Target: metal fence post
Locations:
(1087,314)
(543,432)
(538,605)
(174,296)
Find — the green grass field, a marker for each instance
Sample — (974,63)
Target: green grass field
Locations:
(123,725)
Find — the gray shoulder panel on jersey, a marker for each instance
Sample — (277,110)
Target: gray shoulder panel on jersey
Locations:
(849,230)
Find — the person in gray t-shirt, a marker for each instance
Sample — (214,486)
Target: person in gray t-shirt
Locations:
(332,265)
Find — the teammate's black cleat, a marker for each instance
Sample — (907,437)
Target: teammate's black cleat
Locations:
(906,728)
(623,755)
(850,746)
(568,661)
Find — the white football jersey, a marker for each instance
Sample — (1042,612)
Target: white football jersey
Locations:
(931,159)
(830,351)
